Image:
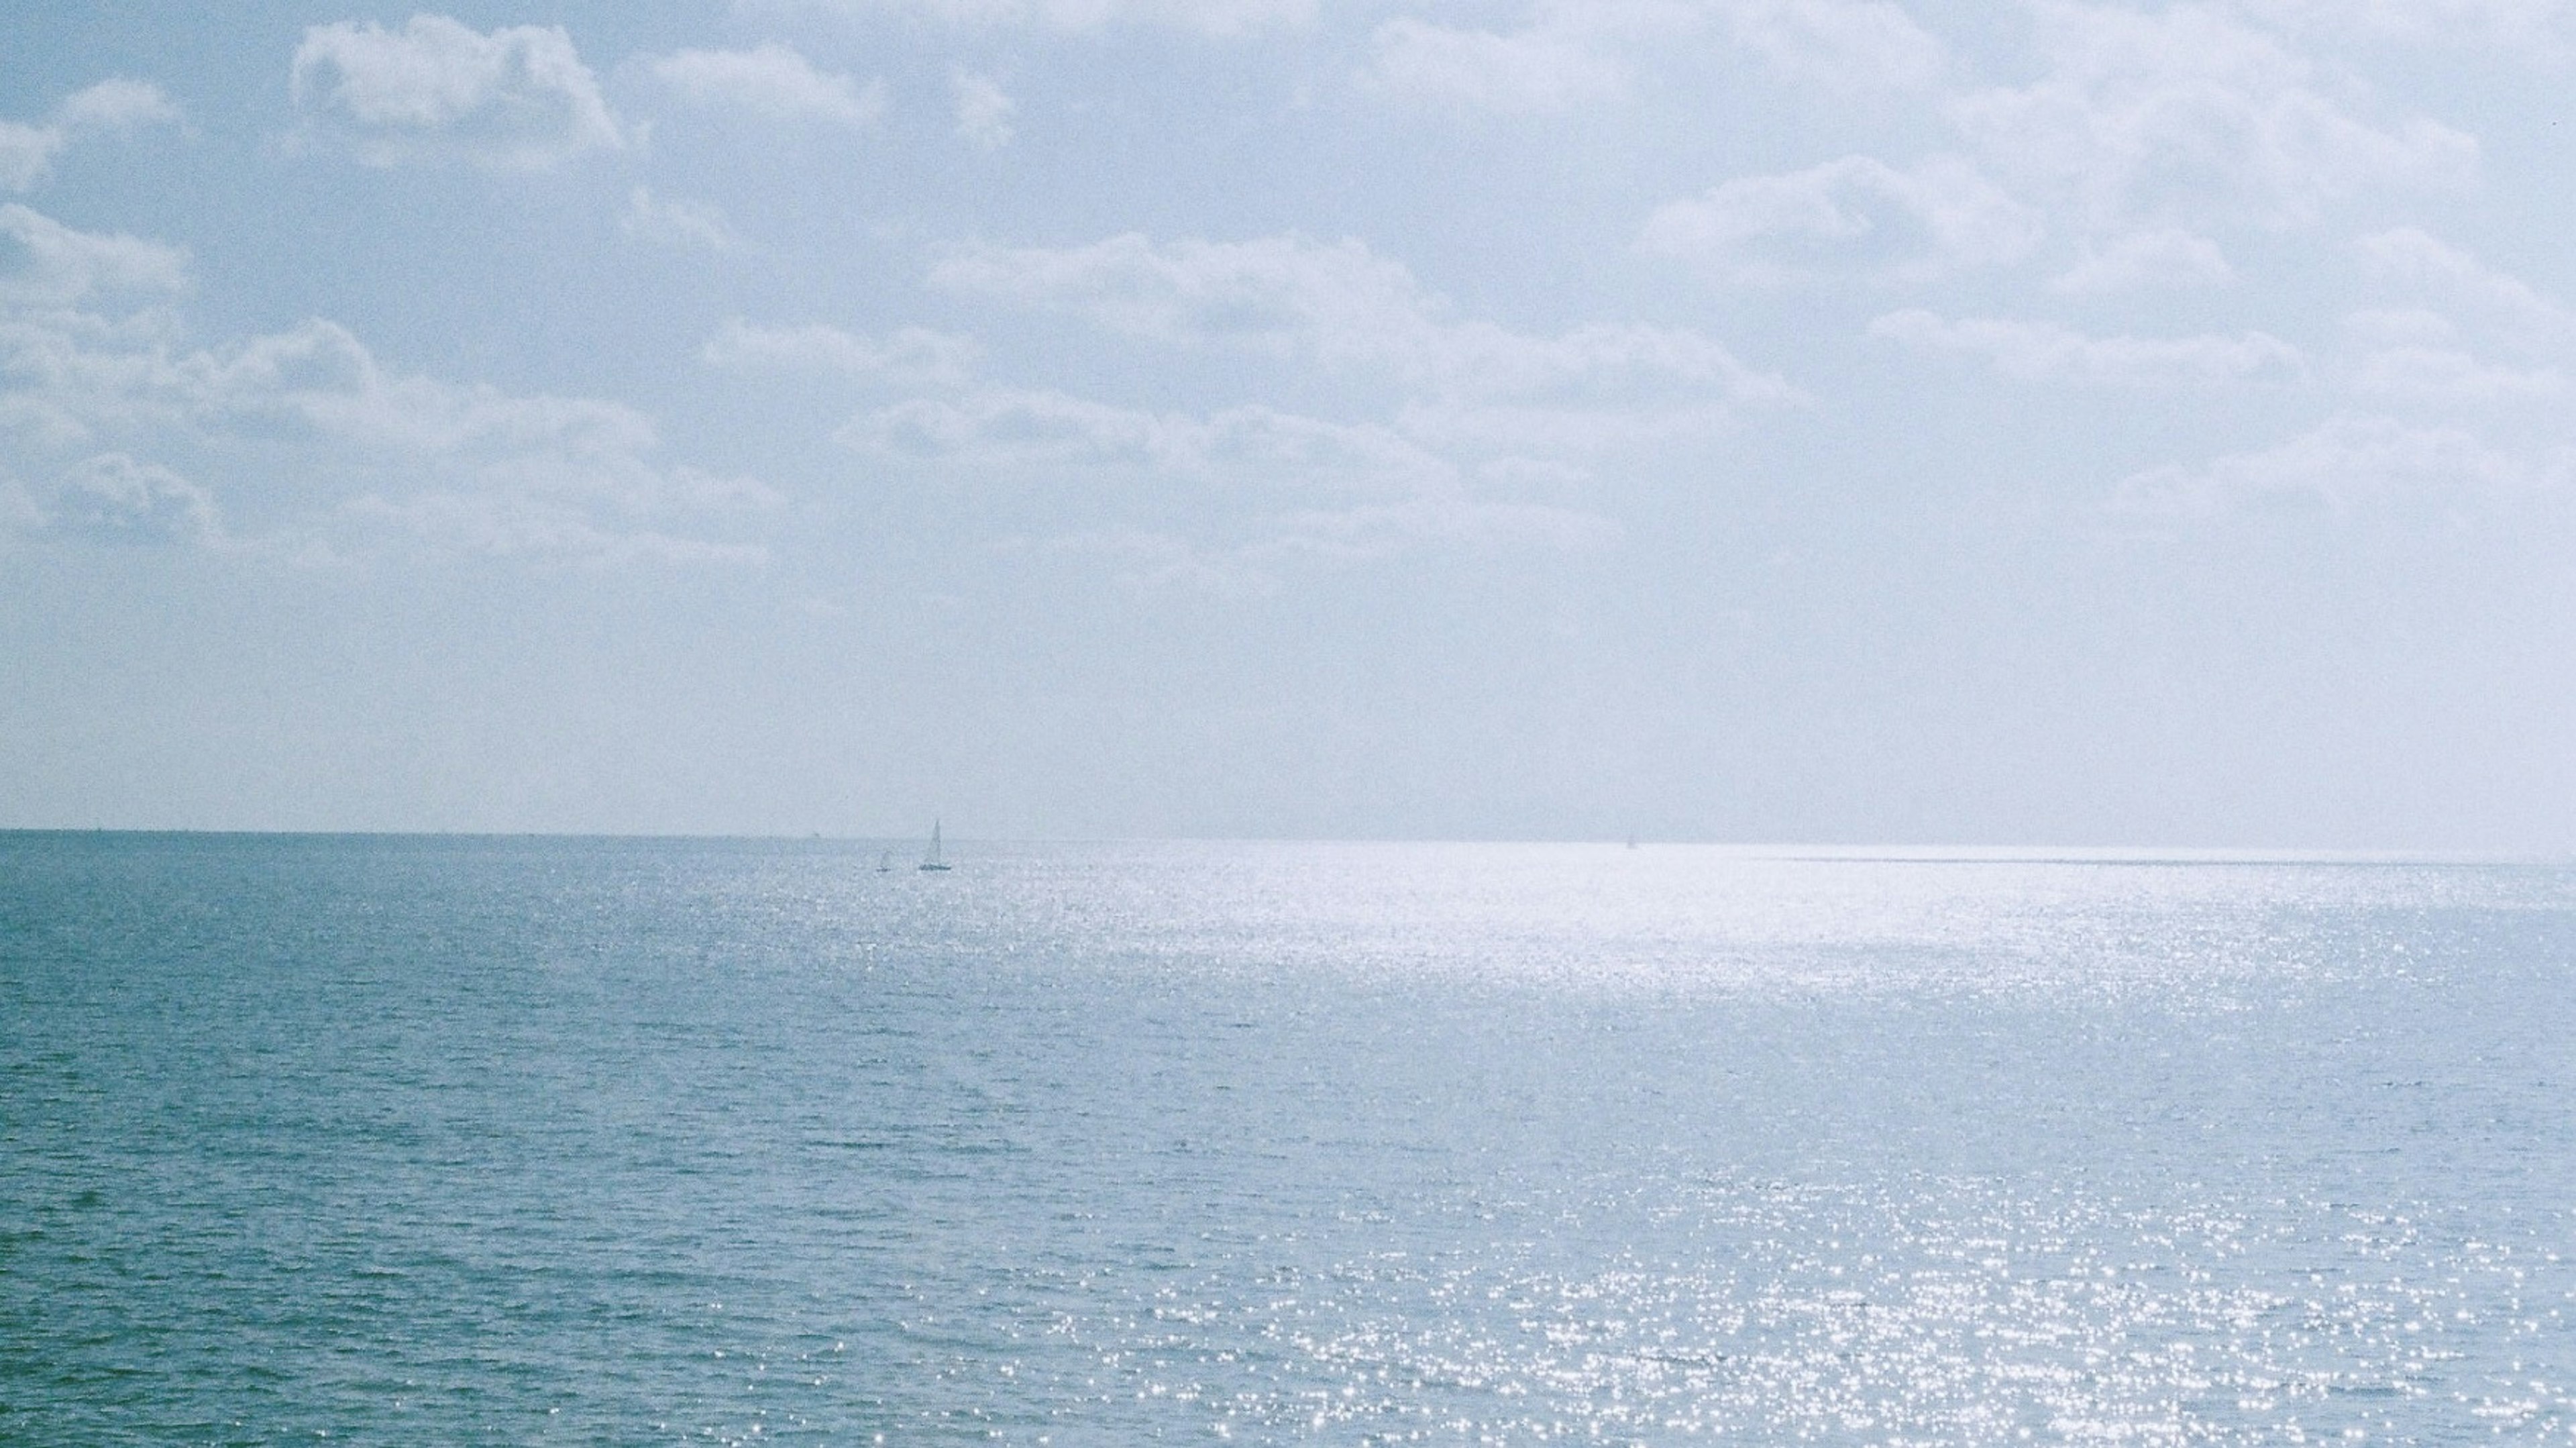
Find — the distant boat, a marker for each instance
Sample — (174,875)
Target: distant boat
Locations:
(885,862)
(932,861)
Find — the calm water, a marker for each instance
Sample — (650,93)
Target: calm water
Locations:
(602,1142)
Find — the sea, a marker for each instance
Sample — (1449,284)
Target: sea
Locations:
(438,1140)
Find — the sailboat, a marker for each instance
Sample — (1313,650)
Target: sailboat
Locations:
(885,862)
(932,861)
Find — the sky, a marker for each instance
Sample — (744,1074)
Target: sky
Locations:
(1737,420)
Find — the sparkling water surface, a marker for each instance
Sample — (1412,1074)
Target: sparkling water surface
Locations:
(420,1141)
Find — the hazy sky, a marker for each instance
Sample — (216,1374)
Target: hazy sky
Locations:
(1823,420)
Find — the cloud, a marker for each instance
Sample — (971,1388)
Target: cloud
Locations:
(111,107)
(1401,497)
(319,375)
(1244,447)
(1207,17)
(346,443)
(26,153)
(111,498)
(45,263)
(1145,562)
(911,354)
(682,223)
(2400,327)
(1374,531)
(469,467)
(1582,52)
(1277,292)
(435,90)
(2187,115)
(1484,408)
(1560,427)
(1480,408)
(983,111)
(1340,305)
(2413,258)
(2044,351)
(116,105)
(1854,217)
(520,527)
(2164,257)
(1838,44)
(2349,463)
(19,513)
(1539,71)
(2448,376)
(2418,355)
(2529,30)
(1015,428)
(1148,561)
(772,81)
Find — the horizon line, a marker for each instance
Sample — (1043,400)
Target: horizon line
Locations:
(1815,851)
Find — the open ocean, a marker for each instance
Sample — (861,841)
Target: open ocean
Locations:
(430,1141)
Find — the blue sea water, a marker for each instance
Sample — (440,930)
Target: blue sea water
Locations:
(427,1141)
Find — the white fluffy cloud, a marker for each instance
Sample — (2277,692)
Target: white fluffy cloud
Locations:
(2162,257)
(698,224)
(352,447)
(519,526)
(2452,386)
(2045,351)
(1857,216)
(1576,52)
(1148,561)
(984,110)
(1210,17)
(1839,44)
(2188,116)
(2348,463)
(324,377)
(2427,352)
(1268,467)
(1341,304)
(2453,377)
(1144,561)
(910,354)
(1479,416)
(110,107)
(2416,260)
(770,80)
(1239,448)
(1279,292)
(1544,69)
(518,97)
(2531,30)
(50,264)
(111,498)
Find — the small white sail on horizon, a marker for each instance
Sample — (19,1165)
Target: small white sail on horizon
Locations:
(931,861)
